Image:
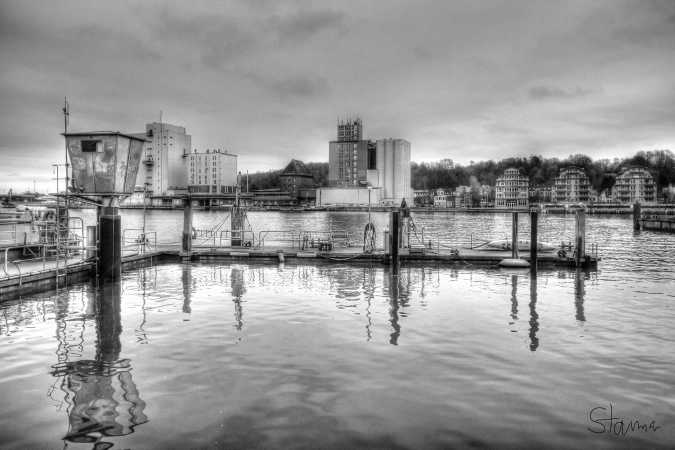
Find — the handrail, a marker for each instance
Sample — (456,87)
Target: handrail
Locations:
(286,236)
(238,234)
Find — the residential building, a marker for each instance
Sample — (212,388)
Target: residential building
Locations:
(511,190)
(541,194)
(572,186)
(487,198)
(635,184)
(212,172)
(298,181)
(165,159)
(463,198)
(443,199)
(423,197)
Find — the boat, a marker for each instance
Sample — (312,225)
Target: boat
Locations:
(505,245)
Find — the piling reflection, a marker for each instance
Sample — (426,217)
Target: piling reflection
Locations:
(579,293)
(238,290)
(186,276)
(534,317)
(102,398)
(514,299)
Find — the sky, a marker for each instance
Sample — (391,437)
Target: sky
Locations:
(467,80)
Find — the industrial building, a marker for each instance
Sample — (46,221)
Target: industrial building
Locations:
(355,163)
(350,156)
(165,159)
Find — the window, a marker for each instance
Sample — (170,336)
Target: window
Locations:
(92,146)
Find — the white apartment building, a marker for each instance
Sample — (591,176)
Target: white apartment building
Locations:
(212,172)
(511,190)
(164,158)
(634,184)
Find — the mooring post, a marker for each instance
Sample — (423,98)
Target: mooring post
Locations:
(110,244)
(186,248)
(580,238)
(636,216)
(514,236)
(534,244)
(395,230)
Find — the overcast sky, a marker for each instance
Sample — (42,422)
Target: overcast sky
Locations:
(466,80)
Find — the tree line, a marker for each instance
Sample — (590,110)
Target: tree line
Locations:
(541,171)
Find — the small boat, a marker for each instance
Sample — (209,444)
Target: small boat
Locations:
(514,263)
(505,245)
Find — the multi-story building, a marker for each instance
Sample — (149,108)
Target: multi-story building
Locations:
(392,170)
(634,184)
(443,198)
(486,195)
(572,186)
(463,197)
(165,158)
(350,156)
(541,194)
(511,190)
(212,172)
(357,163)
(298,181)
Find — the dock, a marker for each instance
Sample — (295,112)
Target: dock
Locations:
(39,276)
(658,223)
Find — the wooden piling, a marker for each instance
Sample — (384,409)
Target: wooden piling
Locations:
(636,216)
(186,248)
(395,232)
(534,244)
(580,237)
(514,236)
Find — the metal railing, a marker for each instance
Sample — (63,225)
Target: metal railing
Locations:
(135,238)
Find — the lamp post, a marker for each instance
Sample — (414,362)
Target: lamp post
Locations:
(370,188)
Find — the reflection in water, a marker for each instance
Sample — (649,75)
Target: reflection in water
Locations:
(102,397)
(368,288)
(514,298)
(534,317)
(238,291)
(397,287)
(187,290)
(579,293)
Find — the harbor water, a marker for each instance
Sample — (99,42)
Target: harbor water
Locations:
(250,355)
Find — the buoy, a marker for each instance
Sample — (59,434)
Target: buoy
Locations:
(513,262)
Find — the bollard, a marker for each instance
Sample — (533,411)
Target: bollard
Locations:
(395,230)
(110,244)
(580,237)
(186,248)
(534,244)
(636,216)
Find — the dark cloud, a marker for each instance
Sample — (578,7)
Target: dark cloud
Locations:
(553,92)
(296,87)
(305,24)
